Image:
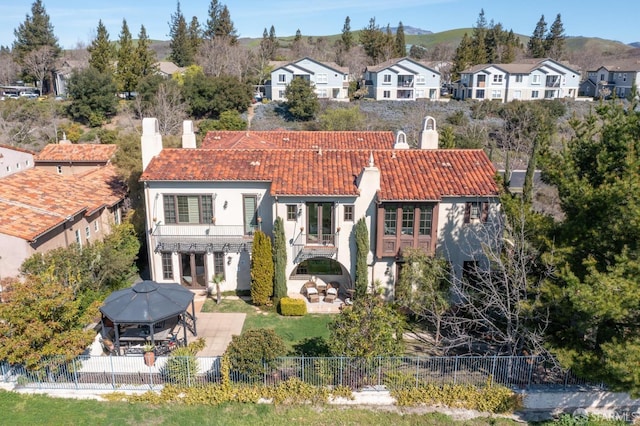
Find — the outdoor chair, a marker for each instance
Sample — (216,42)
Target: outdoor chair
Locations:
(332,293)
(311,292)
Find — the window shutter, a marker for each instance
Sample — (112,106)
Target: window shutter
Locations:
(485,212)
(467,213)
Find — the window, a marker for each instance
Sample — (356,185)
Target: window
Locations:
(8,168)
(282,78)
(386,94)
(420,79)
(534,94)
(218,264)
(387,79)
(292,212)
(250,205)
(96,226)
(318,266)
(480,94)
(167,266)
(624,77)
(78,238)
(408,213)
(519,78)
(517,94)
(116,216)
(497,78)
(321,78)
(476,211)
(549,94)
(59,169)
(535,79)
(87,232)
(348,213)
(188,208)
(390,219)
(18,166)
(281,94)
(424,226)
(322,93)
(496,94)
(26,162)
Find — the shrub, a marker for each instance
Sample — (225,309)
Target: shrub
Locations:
(261,269)
(182,366)
(253,353)
(293,307)
(457,118)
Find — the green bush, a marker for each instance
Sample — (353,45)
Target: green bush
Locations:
(293,307)
(182,367)
(253,353)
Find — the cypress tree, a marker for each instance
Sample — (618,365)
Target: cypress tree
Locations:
(181,47)
(145,57)
(279,260)
(536,45)
(347,35)
(126,68)
(400,49)
(261,269)
(101,51)
(361,234)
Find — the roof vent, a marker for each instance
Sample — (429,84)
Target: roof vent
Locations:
(255,163)
(217,138)
(285,139)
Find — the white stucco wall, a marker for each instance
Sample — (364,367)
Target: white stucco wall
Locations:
(13,161)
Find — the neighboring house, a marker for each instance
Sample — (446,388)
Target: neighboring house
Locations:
(62,74)
(13,160)
(167,69)
(66,159)
(526,80)
(403,79)
(203,205)
(615,78)
(329,80)
(40,211)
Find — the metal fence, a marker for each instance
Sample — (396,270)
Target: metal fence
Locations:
(131,373)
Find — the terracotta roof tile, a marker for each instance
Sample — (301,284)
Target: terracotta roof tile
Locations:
(34,201)
(298,140)
(77,152)
(411,174)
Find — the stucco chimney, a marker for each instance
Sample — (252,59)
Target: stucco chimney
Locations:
(188,136)
(369,178)
(151,140)
(401,141)
(428,134)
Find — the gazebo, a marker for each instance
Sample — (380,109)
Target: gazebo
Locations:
(151,307)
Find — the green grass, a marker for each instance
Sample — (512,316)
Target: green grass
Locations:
(41,410)
(292,329)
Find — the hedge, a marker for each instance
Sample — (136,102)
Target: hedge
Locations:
(290,307)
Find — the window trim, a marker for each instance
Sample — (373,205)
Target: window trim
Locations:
(348,213)
(253,223)
(218,263)
(174,217)
(482,212)
(292,212)
(386,79)
(167,265)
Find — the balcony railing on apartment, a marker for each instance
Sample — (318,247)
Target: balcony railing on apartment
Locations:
(405,83)
(203,231)
(553,83)
(307,246)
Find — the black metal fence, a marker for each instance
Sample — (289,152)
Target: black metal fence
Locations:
(131,372)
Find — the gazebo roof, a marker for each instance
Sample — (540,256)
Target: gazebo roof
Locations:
(146,302)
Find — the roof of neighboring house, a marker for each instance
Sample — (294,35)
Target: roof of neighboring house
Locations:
(631,64)
(332,65)
(523,66)
(168,67)
(77,153)
(18,149)
(386,64)
(406,174)
(298,140)
(35,201)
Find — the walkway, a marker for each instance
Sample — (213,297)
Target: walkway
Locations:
(216,328)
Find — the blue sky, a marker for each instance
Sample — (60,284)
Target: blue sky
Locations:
(75,20)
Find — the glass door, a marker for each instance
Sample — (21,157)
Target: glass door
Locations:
(320,223)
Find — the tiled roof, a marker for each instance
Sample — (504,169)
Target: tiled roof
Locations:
(35,201)
(77,152)
(410,174)
(298,140)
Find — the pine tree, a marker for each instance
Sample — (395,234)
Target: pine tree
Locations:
(273,42)
(463,57)
(347,36)
(261,269)
(296,44)
(279,260)
(479,44)
(224,26)
(511,44)
(181,46)
(554,41)
(195,35)
(373,41)
(361,235)
(101,51)
(213,15)
(35,32)
(126,67)
(400,43)
(145,57)
(536,45)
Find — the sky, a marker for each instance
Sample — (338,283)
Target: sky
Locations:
(75,21)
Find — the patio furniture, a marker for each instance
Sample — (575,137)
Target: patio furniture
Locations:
(311,292)
(322,287)
(332,293)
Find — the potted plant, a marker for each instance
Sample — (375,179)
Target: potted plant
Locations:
(149,354)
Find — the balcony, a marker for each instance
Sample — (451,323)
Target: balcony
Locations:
(405,82)
(201,238)
(552,82)
(308,246)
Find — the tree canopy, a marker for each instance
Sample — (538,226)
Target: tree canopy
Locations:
(302,102)
(101,50)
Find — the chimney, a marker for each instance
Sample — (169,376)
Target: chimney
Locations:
(428,134)
(188,136)
(151,140)
(64,140)
(369,179)
(401,141)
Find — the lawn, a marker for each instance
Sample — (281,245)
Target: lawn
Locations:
(291,329)
(41,410)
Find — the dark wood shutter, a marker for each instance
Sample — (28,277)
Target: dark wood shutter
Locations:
(485,212)
(467,213)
